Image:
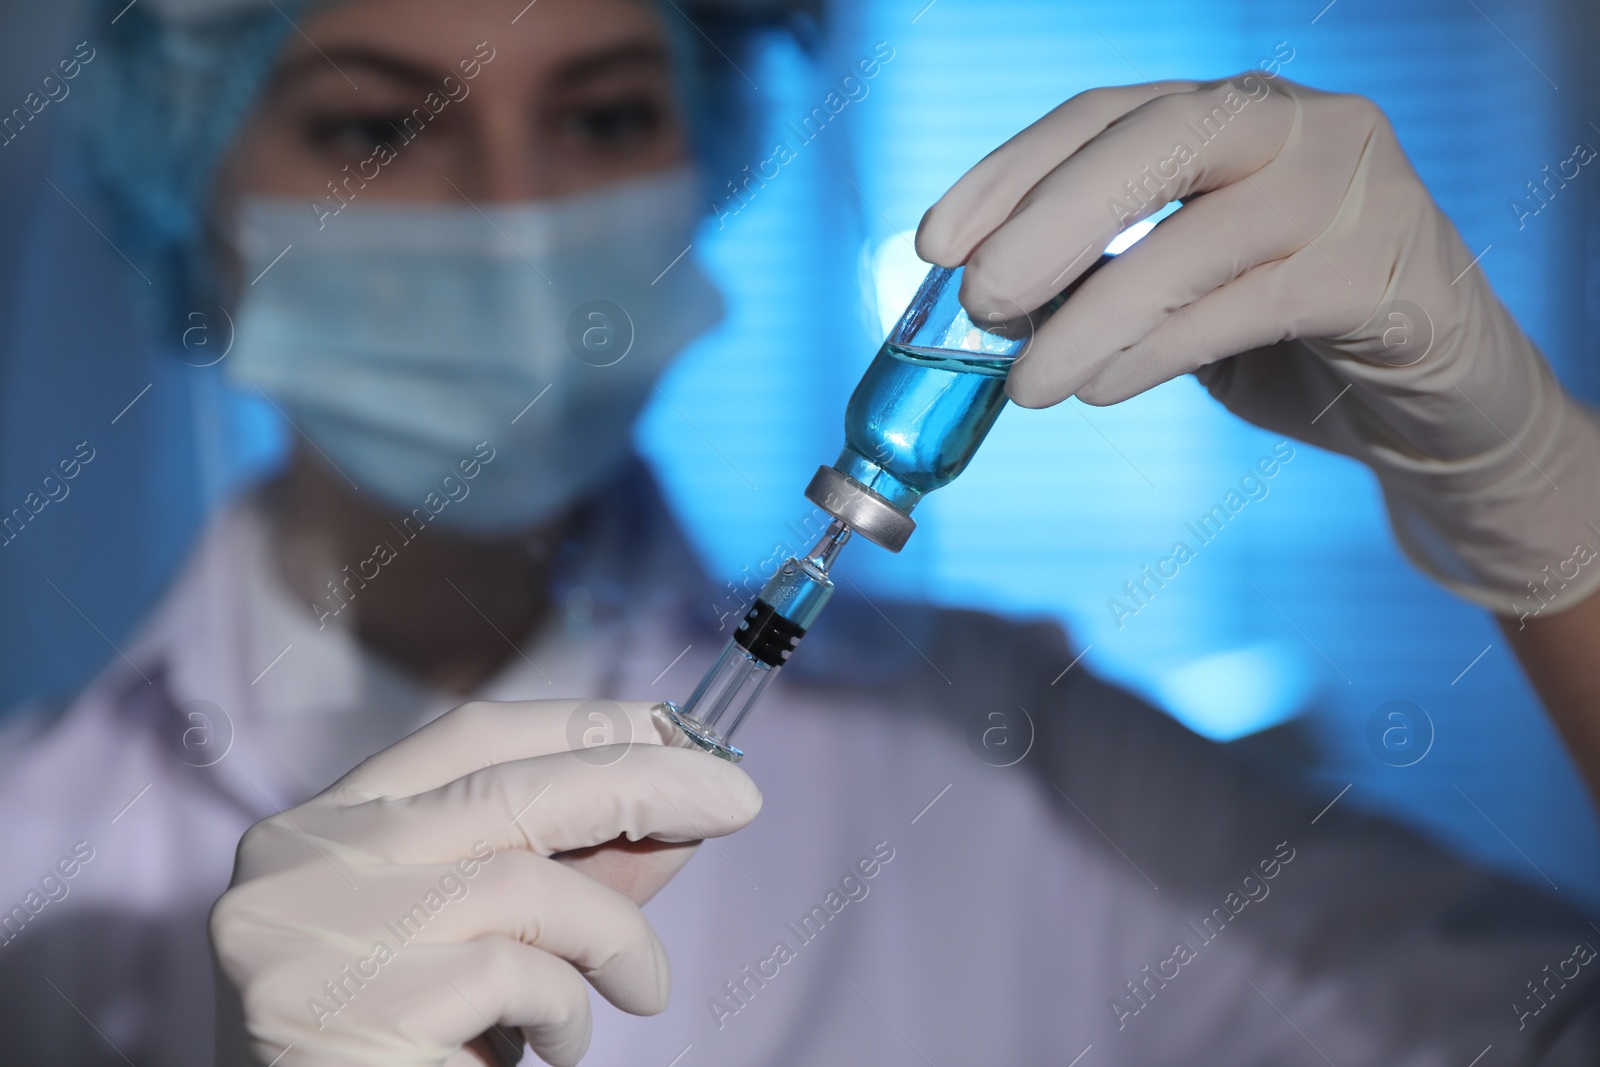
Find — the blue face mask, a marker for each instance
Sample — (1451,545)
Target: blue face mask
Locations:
(485,366)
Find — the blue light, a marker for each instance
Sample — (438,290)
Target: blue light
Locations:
(1232,694)
(1137,232)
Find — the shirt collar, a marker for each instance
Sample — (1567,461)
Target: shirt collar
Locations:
(308,701)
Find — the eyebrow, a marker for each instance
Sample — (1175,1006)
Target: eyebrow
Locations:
(596,64)
(570,73)
(359,55)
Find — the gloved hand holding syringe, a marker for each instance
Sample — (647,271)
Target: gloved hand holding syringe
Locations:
(544,890)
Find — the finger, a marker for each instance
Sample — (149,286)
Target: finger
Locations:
(512,894)
(497,1047)
(1274,302)
(482,732)
(595,928)
(636,869)
(1210,242)
(551,804)
(412,1004)
(1157,154)
(1235,318)
(985,196)
(459,992)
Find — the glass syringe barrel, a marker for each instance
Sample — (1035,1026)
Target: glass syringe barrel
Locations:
(782,612)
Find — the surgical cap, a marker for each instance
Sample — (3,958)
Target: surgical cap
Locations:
(179,78)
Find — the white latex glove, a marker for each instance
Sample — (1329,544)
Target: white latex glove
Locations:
(454,828)
(1313,286)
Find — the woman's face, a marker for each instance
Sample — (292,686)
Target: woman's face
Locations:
(540,100)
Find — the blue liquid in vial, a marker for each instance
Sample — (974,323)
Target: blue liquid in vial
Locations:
(917,417)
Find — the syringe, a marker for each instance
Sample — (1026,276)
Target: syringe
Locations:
(769,632)
(914,422)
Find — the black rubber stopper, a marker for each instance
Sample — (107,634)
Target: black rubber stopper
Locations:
(766,635)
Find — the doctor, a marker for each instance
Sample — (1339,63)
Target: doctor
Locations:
(408,258)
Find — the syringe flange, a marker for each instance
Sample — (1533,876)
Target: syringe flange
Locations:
(700,737)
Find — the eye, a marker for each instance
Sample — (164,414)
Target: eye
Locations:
(617,123)
(350,135)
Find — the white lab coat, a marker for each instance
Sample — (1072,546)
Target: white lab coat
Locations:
(1017,909)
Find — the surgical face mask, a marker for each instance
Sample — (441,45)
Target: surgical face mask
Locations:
(477,368)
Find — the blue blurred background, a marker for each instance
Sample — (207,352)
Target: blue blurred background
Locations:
(1286,635)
